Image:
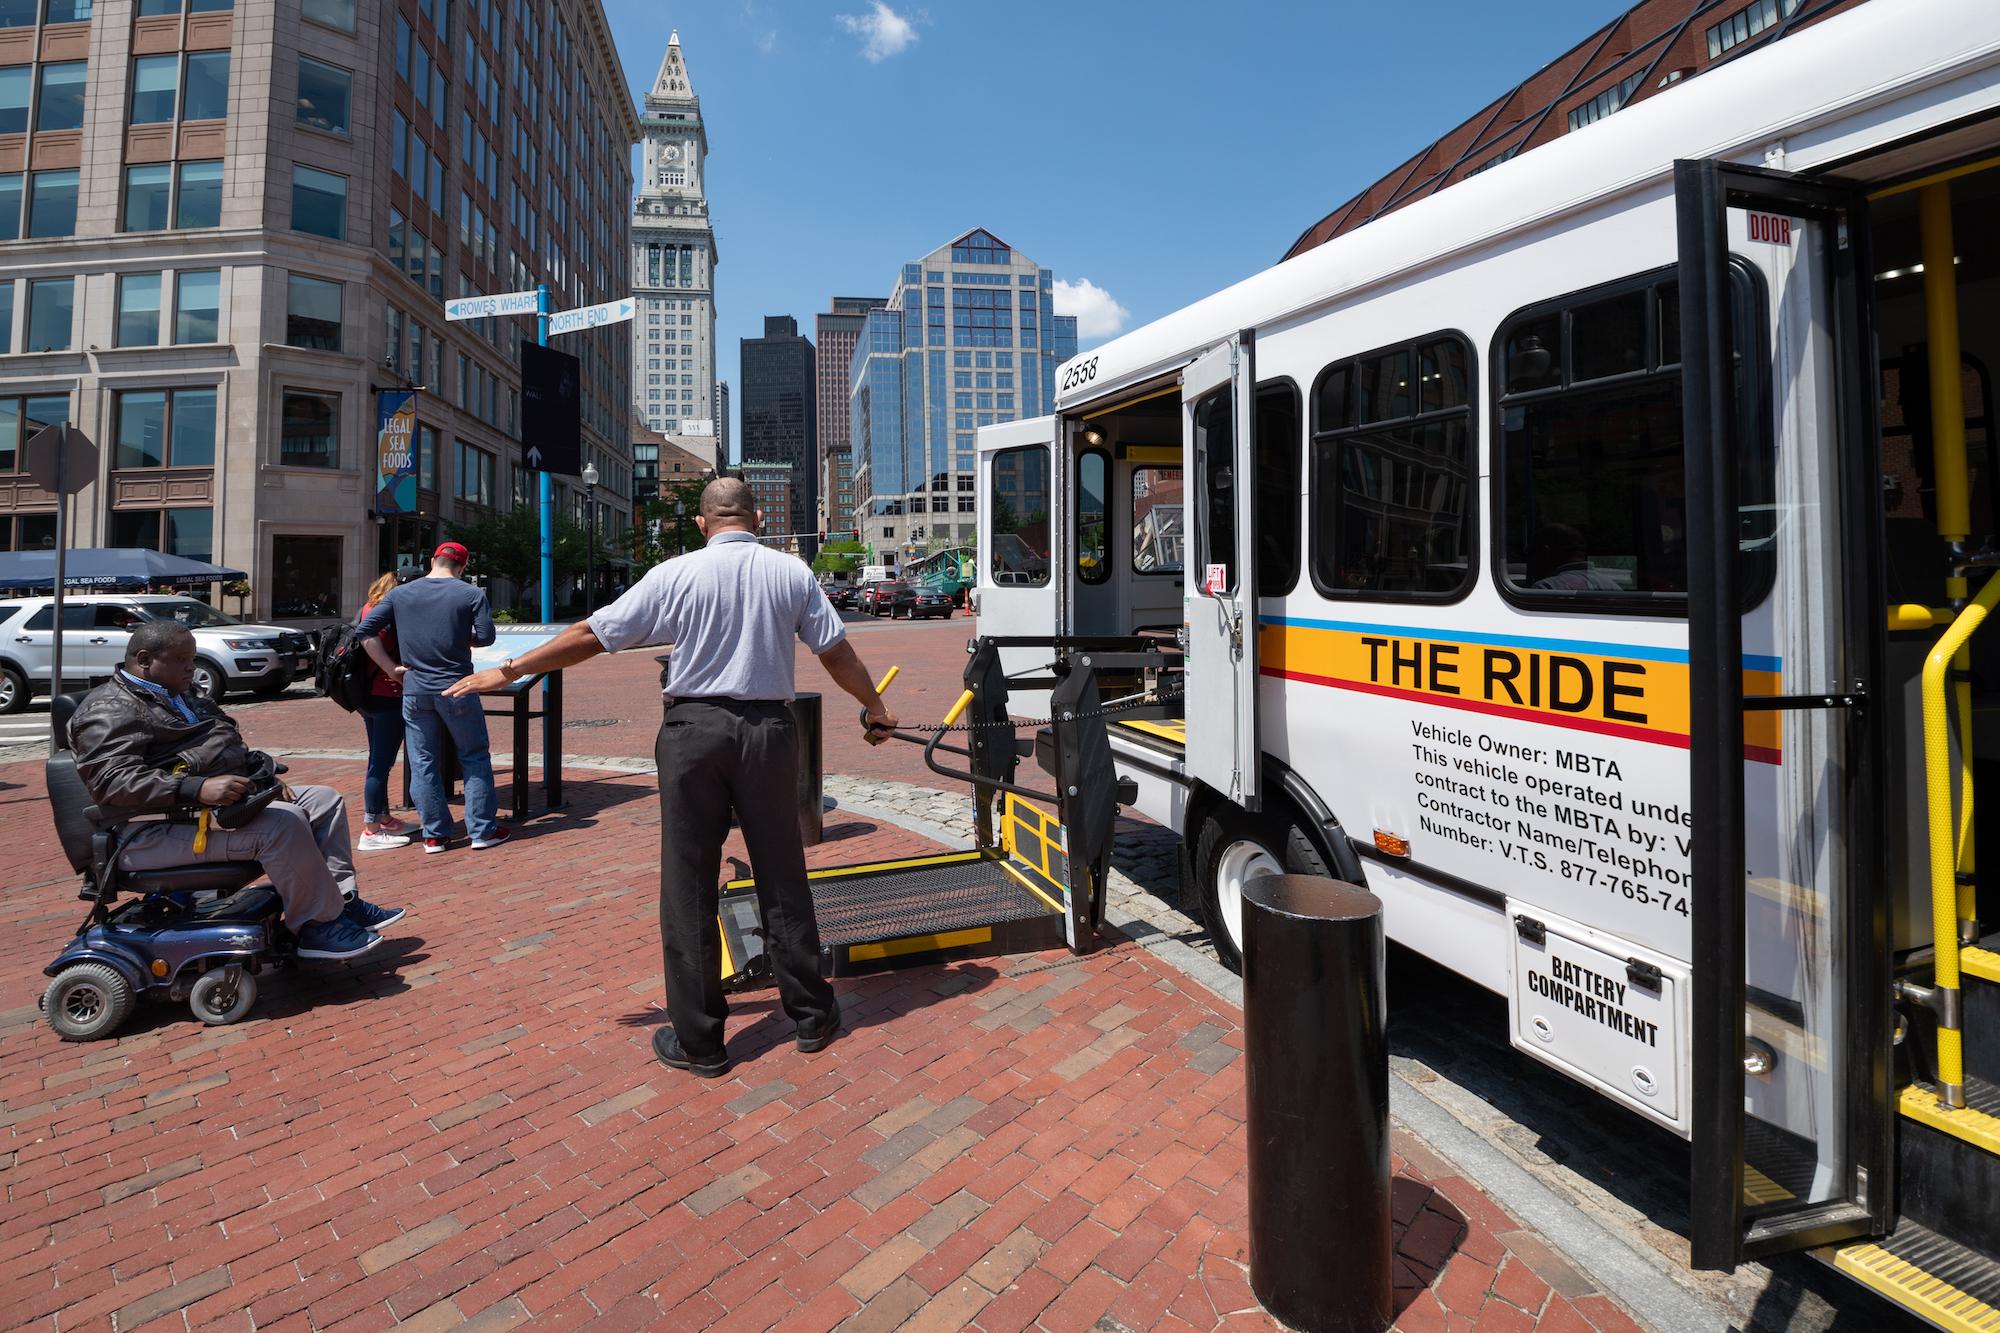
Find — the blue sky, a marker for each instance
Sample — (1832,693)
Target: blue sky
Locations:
(1157,150)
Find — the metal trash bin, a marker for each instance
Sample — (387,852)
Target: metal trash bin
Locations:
(812,750)
(1316,1073)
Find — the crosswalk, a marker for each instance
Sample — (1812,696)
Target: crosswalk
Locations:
(24,729)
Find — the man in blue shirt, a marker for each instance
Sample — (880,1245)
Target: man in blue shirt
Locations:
(439,619)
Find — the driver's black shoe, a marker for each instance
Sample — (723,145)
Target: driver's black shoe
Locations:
(667,1045)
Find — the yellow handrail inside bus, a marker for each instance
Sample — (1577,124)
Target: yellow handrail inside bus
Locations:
(1948,845)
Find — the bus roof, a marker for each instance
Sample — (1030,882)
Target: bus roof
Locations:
(1856,81)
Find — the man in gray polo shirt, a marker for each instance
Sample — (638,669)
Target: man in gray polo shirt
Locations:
(731,611)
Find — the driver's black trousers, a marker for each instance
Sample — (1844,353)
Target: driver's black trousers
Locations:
(715,756)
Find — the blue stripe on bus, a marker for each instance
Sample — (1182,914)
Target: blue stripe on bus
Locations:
(1751,661)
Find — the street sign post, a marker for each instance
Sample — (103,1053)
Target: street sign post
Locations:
(484,307)
(592,316)
(62,460)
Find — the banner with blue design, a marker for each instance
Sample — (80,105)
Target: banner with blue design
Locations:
(396,452)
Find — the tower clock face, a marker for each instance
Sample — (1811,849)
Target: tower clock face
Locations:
(673,153)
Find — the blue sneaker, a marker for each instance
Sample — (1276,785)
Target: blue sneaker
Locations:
(336,939)
(368,916)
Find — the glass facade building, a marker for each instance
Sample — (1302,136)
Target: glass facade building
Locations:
(969,337)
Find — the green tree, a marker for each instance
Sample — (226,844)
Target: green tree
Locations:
(666,525)
(508,543)
(840,558)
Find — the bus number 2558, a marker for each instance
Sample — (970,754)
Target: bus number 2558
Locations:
(1077,373)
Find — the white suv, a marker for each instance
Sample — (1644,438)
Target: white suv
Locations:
(229,655)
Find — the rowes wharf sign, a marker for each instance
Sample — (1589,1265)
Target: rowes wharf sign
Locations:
(1632,692)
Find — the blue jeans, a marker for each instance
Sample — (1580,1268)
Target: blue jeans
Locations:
(430,717)
(385,737)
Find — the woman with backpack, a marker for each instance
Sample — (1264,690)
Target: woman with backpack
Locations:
(382,714)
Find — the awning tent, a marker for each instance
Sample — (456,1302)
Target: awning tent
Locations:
(106,569)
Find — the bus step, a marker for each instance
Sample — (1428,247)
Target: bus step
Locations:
(1948,1163)
(1936,1279)
(1979,975)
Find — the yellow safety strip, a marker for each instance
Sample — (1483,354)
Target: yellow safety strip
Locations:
(1175,731)
(904,863)
(1030,885)
(1938,177)
(949,939)
(1981,963)
(1974,1127)
(1914,1289)
(1124,403)
(1759,1189)
(1155,455)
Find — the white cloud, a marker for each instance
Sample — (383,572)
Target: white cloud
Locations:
(1098,314)
(767,41)
(882,30)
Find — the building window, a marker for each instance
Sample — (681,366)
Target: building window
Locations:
(52,204)
(1746,23)
(6,318)
(165,428)
(206,95)
(16,83)
(473,475)
(199,200)
(183,532)
(51,314)
(20,420)
(334,13)
(146,191)
(305,576)
(67,11)
(138,310)
(198,305)
(324,93)
(319,202)
(312,313)
(309,435)
(1606,102)
(161,8)
(155,88)
(59,103)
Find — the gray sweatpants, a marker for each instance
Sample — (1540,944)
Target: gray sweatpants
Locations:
(304,846)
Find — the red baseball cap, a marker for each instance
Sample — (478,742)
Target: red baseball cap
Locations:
(451,551)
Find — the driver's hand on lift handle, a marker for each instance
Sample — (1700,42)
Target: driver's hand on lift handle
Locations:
(878,724)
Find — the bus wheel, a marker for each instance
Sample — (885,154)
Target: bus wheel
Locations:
(1234,848)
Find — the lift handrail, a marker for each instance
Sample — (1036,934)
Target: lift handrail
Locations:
(1947,847)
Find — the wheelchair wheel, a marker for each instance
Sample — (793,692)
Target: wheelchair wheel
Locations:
(222,995)
(87,1001)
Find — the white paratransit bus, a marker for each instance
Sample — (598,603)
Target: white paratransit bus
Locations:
(1561,555)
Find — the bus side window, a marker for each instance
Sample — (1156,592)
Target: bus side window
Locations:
(1392,467)
(1589,464)
(1157,531)
(1018,546)
(1215,468)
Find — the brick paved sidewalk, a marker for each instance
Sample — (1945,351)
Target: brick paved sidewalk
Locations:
(469,1126)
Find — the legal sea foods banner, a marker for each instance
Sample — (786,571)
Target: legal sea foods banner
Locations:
(396,446)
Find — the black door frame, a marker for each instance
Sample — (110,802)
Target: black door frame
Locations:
(1721,1238)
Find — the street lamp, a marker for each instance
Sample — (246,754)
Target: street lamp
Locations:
(589,533)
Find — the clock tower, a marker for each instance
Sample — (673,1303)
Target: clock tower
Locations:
(673,263)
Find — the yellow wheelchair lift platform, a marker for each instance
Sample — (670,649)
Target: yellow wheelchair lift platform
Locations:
(922,909)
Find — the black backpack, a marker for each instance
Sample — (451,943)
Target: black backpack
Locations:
(343,673)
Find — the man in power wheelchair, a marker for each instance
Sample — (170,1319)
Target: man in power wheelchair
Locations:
(141,745)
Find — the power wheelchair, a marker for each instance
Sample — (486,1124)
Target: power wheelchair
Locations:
(195,933)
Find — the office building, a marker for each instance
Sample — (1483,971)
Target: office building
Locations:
(834,334)
(673,262)
(969,337)
(781,415)
(226,236)
(772,483)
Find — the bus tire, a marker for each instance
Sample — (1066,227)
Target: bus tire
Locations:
(1233,847)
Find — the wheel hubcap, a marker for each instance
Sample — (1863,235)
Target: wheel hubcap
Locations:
(1241,862)
(83,1004)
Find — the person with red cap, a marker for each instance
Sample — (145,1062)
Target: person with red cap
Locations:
(438,620)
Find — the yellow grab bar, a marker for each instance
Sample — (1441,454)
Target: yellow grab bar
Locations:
(888,679)
(964,702)
(1944,854)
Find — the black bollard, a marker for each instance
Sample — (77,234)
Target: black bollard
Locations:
(1316,1074)
(812,810)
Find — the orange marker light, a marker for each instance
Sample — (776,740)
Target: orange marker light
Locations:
(1391,844)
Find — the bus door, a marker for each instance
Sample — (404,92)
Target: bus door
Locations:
(1017,544)
(1219,597)
(1790,1038)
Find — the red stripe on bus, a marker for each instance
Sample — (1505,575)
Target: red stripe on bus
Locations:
(1759,753)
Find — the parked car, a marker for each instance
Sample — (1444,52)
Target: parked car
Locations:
(842,596)
(923,603)
(877,598)
(229,654)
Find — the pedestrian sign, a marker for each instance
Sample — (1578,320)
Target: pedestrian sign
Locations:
(505,303)
(591,316)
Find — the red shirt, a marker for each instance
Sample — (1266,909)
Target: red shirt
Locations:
(380,685)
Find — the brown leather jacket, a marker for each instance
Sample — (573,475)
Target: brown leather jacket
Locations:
(138,755)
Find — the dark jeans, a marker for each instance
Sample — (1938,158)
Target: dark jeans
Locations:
(385,738)
(715,756)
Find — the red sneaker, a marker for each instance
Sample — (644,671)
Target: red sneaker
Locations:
(499,835)
(432,846)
